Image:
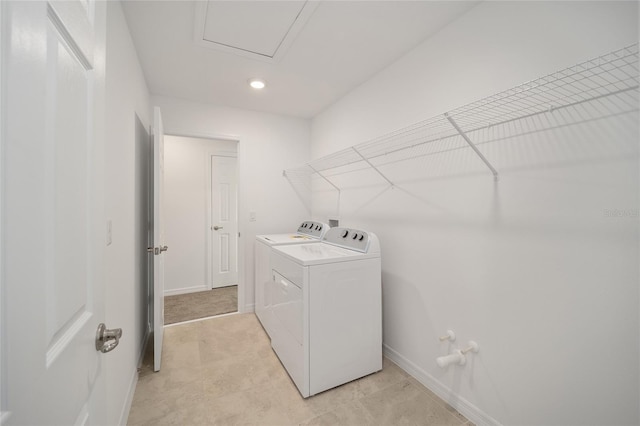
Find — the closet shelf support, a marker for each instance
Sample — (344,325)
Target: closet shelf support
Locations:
(472,145)
(372,166)
(324,177)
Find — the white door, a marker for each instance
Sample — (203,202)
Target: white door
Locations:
(224,219)
(158,238)
(54,227)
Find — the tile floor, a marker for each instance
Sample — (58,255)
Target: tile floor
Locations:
(223,371)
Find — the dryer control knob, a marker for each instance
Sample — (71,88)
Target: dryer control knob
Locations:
(355,236)
(345,234)
(361,238)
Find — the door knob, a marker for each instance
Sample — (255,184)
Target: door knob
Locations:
(215,228)
(164,248)
(107,339)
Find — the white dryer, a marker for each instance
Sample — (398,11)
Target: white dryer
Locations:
(308,232)
(327,309)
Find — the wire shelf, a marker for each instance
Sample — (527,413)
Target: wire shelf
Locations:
(598,88)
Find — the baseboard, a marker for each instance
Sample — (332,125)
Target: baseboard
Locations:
(248,308)
(201,319)
(185,290)
(463,406)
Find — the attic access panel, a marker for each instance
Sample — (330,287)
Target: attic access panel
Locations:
(261,30)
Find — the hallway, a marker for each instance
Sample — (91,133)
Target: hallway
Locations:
(202,304)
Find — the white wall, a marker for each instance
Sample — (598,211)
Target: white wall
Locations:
(187,199)
(127,100)
(530,267)
(268,143)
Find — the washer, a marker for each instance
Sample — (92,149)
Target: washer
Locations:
(327,309)
(308,232)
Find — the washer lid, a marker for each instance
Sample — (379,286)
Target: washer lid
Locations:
(320,253)
(282,239)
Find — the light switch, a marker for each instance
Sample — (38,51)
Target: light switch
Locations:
(109,232)
(252,216)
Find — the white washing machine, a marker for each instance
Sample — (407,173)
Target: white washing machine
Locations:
(308,232)
(327,309)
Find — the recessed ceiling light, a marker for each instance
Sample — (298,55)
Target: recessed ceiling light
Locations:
(257,83)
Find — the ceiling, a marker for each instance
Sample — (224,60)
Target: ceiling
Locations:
(311,53)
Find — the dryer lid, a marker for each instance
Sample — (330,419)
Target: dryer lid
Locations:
(321,253)
(281,239)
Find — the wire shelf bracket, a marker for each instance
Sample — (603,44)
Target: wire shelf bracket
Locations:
(372,166)
(472,145)
(323,177)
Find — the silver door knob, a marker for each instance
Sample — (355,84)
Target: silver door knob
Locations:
(107,339)
(215,228)
(164,248)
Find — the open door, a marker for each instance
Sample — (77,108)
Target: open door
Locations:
(54,340)
(158,238)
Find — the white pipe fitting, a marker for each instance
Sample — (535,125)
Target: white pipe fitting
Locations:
(473,346)
(450,336)
(455,358)
(458,356)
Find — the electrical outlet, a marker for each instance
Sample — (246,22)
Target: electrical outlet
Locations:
(252,216)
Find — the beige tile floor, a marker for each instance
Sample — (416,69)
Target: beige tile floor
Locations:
(223,371)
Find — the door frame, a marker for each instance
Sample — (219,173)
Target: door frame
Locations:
(209,211)
(241,225)
(4,415)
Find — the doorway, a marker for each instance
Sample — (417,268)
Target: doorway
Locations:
(224,221)
(201,225)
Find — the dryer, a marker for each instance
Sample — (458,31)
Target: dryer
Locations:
(327,309)
(308,232)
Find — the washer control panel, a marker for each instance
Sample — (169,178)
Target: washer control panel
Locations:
(350,238)
(315,229)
